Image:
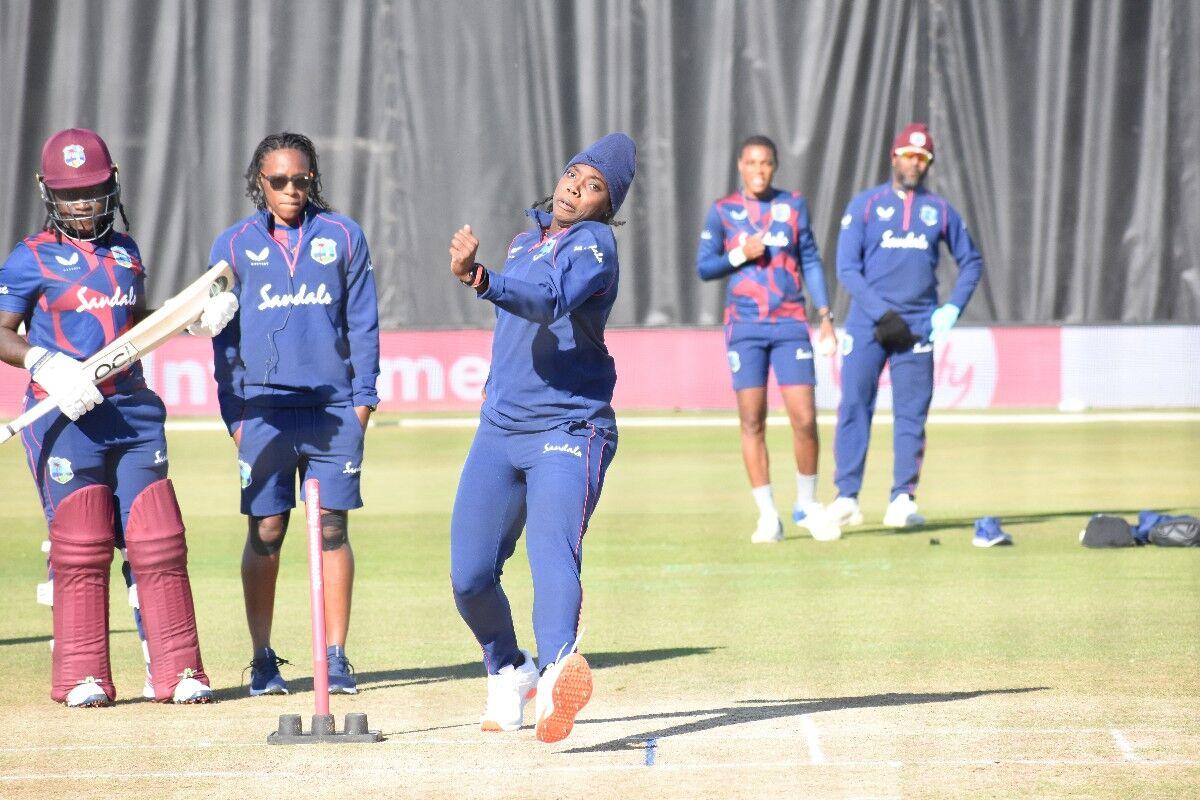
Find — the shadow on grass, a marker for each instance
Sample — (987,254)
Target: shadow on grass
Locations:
(968,523)
(759,710)
(25,640)
(49,638)
(416,676)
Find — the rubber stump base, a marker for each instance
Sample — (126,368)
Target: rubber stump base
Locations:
(291,731)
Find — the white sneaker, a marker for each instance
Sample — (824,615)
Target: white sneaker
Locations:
(902,513)
(844,511)
(770,529)
(815,518)
(508,692)
(189,690)
(87,694)
(562,691)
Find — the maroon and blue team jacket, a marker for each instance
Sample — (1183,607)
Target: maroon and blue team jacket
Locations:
(768,290)
(76,296)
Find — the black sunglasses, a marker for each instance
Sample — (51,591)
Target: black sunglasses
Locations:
(280,182)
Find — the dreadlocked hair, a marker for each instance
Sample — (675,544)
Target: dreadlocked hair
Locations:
(546,204)
(284,141)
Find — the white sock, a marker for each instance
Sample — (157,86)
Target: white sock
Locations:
(764,500)
(806,489)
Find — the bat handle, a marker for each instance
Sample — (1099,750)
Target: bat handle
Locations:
(28,418)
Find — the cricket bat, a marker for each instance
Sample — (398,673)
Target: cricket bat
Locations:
(176,314)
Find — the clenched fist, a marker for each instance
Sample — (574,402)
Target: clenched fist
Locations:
(463,247)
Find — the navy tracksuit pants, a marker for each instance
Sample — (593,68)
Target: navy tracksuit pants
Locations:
(547,482)
(863,360)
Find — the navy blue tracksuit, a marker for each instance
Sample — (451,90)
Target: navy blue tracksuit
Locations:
(887,259)
(547,434)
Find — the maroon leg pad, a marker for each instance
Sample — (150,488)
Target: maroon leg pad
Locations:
(158,555)
(81,553)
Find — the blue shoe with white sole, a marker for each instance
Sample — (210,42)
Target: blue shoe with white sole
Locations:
(989,534)
(264,674)
(341,671)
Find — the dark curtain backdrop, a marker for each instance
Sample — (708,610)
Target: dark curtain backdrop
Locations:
(1067,131)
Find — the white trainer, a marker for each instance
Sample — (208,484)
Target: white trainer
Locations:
(562,691)
(902,513)
(508,692)
(190,690)
(844,511)
(769,530)
(815,518)
(87,694)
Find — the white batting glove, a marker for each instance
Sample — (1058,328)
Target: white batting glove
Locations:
(64,380)
(218,310)
(826,345)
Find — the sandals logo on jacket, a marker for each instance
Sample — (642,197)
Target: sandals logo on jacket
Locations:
(323,251)
(573,449)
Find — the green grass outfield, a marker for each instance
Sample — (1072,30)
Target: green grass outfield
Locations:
(875,666)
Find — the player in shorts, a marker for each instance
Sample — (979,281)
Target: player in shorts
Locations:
(100,461)
(296,374)
(760,238)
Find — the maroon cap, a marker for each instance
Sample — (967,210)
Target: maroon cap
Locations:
(75,158)
(914,139)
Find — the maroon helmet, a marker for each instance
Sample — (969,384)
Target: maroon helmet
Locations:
(73,161)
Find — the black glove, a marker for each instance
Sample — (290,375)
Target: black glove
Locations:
(894,334)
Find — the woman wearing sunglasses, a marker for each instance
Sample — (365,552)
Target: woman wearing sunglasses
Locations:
(296,373)
(546,436)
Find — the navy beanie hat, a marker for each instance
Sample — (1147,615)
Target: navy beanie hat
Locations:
(615,157)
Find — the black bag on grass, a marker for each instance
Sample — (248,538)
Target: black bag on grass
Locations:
(1106,531)
(1176,532)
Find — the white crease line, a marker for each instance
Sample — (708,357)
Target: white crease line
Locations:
(1126,748)
(403,739)
(638,767)
(815,754)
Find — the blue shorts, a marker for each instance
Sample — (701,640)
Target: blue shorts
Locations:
(279,444)
(119,443)
(751,350)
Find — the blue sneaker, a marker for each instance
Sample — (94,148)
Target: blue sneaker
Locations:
(989,534)
(341,671)
(264,674)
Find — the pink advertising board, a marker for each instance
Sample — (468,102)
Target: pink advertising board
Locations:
(658,368)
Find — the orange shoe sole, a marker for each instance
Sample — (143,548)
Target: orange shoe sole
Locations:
(570,694)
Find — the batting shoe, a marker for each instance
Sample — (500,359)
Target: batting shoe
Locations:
(902,513)
(844,511)
(341,671)
(264,674)
(988,533)
(563,690)
(508,692)
(190,690)
(816,519)
(769,530)
(87,694)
